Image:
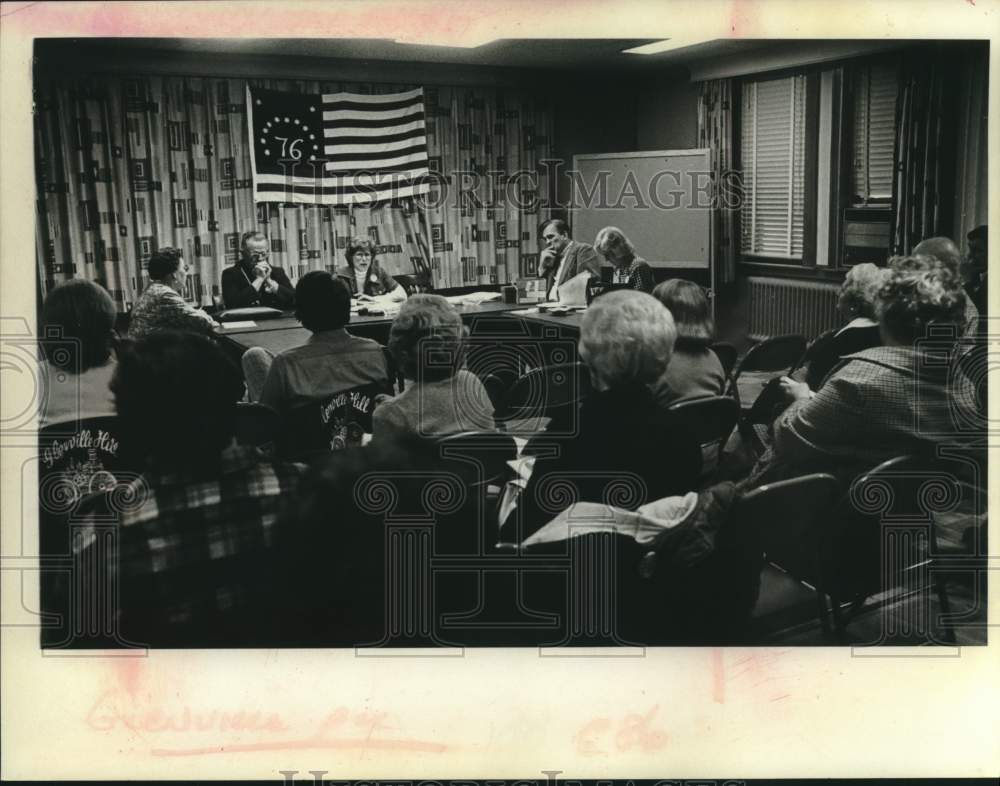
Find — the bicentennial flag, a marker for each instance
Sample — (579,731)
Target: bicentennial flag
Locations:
(337,148)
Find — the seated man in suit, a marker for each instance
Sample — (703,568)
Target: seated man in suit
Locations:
(331,360)
(252,281)
(563,258)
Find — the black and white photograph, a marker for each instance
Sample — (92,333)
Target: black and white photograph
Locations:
(607,350)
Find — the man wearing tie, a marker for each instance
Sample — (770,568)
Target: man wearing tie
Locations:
(562,258)
(252,281)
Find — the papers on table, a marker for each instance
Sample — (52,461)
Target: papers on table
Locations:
(234,325)
(574,291)
(473,298)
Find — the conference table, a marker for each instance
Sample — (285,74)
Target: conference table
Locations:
(285,332)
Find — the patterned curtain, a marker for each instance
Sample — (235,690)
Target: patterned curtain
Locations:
(126,165)
(921,179)
(715,131)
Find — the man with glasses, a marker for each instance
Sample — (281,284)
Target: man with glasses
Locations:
(252,281)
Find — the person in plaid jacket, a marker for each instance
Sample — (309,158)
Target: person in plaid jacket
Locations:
(196,528)
(887,401)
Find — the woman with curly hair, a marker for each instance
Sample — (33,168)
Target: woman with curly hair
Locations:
(856,304)
(884,401)
(365,277)
(441,397)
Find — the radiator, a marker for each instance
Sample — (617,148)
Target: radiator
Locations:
(778,306)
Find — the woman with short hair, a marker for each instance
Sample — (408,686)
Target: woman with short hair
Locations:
(620,438)
(694,370)
(78,329)
(161,307)
(612,244)
(365,277)
(440,397)
(856,303)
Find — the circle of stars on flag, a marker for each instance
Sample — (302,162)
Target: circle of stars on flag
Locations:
(295,124)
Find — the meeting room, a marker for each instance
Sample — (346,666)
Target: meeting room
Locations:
(548,343)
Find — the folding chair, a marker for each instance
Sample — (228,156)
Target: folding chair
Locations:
(550,391)
(727,355)
(712,420)
(771,356)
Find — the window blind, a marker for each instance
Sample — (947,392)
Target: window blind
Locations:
(875,89)
(773,156)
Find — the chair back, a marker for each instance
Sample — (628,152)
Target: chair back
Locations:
(778,353)
(332,423)
(712,420)
(548,391)
(257,425)
(415,283)
(789,516)
(727,355)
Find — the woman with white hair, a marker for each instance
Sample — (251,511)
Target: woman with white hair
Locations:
(612,244)
(856,303)
(441,397)
(621,438)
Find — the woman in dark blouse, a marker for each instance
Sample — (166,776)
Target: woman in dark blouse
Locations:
(365,278)
(612,244)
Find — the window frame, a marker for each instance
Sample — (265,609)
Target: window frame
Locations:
(810,160)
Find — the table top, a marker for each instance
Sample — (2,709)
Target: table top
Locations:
(571,321)
(286,332)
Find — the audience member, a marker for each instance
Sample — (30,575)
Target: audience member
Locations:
(856,304)
(195,537)
(78,329)
(945,251)
(365,278)
(628,269)
(881,402)
(252,281)
(331,360)
(161,306)
(441,397)
(563,258)
(694,370)
(621,435)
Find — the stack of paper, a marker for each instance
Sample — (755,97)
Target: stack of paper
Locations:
(474,298)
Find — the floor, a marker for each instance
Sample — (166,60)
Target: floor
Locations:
(787,614)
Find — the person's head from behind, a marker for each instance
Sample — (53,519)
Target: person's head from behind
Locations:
(360,255)
(626,339)
(167,266)
(918,291)
(322,302)
(254,248)
(612,244)
(978,249)
(859,290)
(427,338)
(176,395)
(941,248)
(690,309)
(78,322)
(555,234)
